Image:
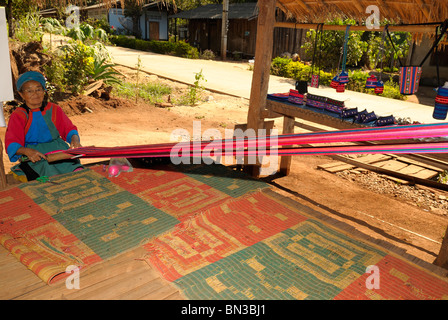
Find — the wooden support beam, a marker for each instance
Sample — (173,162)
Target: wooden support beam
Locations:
(404,28)
(442,257)
(262,67)
(285,162)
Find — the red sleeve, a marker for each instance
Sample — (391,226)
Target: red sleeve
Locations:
(15,132)
(63,124)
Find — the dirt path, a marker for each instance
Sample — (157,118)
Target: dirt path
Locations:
(409,225)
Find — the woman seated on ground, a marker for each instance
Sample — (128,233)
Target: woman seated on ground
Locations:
(36,128)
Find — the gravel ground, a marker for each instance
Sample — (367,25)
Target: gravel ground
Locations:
(428,199)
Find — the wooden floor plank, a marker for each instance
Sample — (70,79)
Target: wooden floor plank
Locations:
(162,290)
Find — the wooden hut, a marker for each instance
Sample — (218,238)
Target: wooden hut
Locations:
(205,27)
(416,16)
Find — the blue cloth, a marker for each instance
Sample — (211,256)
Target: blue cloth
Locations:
(31,76)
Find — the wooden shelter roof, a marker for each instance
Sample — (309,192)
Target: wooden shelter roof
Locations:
(398,11)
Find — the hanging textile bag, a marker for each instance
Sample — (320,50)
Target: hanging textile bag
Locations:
(409,79)
(314,83)
(334,82)
(441,103)
(379,87)
(343,76)
(371,82)
(340,87)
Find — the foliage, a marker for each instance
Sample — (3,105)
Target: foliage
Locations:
(443,177)
(331,44)
(87,32)
(183,49)
(29,28)
(52,25)
(78,59)
(388,56)
(55,72)
(363,47)
(196,88)
(287,68)
(357,81)
(180,48)
(104,71)
(392,90)
(207,55)
(150,92)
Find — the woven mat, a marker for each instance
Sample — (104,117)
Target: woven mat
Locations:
(88,217)
(264,246)
(213,232)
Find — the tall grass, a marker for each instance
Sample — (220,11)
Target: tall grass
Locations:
(150,92)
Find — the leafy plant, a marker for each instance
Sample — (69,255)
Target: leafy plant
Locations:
(151,92)
(443,177)
(392,90)
(29,28)
(104,71)
(331,44)
(78,59)
(207,55)
(196,88)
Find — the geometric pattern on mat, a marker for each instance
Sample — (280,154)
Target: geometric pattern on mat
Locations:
(218,233)
(89,217)
(214,232)
(232,183)
(304,259)
(105,217)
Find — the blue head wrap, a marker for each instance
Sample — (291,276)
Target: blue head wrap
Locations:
(29,76)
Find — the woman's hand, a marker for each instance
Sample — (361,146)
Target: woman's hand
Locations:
(75,142)
(32,154)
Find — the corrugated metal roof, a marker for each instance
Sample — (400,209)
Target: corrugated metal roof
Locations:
(214,11)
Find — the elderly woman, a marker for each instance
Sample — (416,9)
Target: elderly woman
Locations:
(36,128)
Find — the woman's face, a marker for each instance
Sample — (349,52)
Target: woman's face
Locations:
(33,94)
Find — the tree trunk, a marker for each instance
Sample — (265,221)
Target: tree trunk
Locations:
(10,21)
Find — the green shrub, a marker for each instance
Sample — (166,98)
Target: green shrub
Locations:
(392,90)
(357,81)
(182,48)
(285,67)
(78,59)
(207,55)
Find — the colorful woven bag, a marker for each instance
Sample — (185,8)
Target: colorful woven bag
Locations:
(340,87)
(334,82)
(314,81)
(409,79)
(441,103)
(371,82)
(379,87)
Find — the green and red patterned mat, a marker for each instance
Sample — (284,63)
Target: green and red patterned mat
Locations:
(212,231)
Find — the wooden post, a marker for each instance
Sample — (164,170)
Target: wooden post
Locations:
(224,26)
(262,66)
(2,169)
(285,162)
(442,258)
